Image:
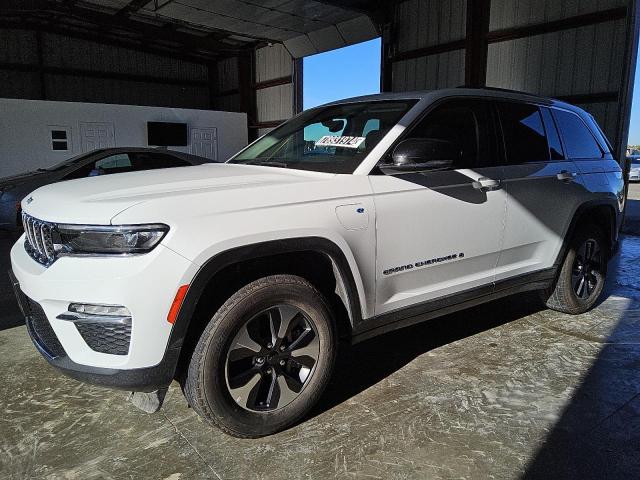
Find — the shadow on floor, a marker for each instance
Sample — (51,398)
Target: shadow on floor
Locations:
(598,433)
(10,315)
(360,366)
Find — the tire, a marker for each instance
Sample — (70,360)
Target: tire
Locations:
(284,379)
(579,284)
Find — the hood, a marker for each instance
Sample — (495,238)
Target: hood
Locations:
(97,200)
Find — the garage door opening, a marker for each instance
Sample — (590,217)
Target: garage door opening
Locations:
(342,73)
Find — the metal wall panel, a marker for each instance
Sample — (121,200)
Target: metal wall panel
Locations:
(65,52)
(60,53)
(273,62)
(18,46)
(19,85)
(227,74)
(422,23)
(427,73)
(103,90)
(275,103)
(578,61)
(606,114)
(517,13)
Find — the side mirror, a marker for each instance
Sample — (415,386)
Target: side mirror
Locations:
(96,172)
(415,154)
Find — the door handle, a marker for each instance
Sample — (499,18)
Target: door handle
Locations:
(566,176)
(485,184)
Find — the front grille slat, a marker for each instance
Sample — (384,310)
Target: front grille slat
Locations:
(39,239)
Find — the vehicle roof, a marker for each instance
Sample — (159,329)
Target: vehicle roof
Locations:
(433,95)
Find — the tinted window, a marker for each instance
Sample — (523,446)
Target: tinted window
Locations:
(150,161)
(118,163)
(465,123)
(555,147)
(524,136)
(578,141)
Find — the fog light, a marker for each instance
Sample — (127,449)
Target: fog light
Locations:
(102,310)
(93,313)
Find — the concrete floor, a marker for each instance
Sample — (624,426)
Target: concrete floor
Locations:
(504,390)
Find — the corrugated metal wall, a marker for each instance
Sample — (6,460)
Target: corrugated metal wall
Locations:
(74,69)
(274,83)
(578,50)
(583,61)
(418,25)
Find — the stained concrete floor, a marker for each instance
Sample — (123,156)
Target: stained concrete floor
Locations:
(504,390)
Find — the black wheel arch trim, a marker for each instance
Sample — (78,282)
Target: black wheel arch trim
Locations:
(261,250)
(579,213)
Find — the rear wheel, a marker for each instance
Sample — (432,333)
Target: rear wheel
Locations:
(583,273)
(264,358)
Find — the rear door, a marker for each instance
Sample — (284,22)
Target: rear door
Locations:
(543,189)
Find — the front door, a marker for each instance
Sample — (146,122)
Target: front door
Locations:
(440,232)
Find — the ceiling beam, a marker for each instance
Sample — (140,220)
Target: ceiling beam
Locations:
(151,33)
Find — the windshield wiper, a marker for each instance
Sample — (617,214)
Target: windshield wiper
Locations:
(267,163)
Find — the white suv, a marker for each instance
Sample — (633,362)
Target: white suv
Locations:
(353,218)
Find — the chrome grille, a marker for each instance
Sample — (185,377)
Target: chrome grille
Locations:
(39,239)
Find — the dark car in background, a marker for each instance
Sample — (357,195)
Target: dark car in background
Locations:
(97,162)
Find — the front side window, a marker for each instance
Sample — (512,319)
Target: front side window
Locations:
(333,139)
(467,124)
(524,136)
(118,163)
(578,140)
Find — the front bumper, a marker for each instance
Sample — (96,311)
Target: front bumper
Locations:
(145,284)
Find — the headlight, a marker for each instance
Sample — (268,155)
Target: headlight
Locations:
(107,240)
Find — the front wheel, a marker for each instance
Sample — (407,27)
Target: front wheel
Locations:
(264,358)
(583,273)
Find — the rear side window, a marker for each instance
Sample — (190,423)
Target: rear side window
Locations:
(524,136)
(578,140)
(555,146)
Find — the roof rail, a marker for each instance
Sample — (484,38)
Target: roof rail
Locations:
(498,89)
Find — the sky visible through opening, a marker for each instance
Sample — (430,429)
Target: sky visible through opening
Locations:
(634,127)
(342,73)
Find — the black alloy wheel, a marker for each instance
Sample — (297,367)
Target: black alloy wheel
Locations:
(271,359)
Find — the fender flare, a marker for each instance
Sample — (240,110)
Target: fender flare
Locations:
(258,250)
(578,214)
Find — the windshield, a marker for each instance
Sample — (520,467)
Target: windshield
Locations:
(333,139)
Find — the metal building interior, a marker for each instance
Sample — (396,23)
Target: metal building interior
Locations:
(242,55)
(246,56)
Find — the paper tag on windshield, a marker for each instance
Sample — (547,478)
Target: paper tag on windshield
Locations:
(336,141)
